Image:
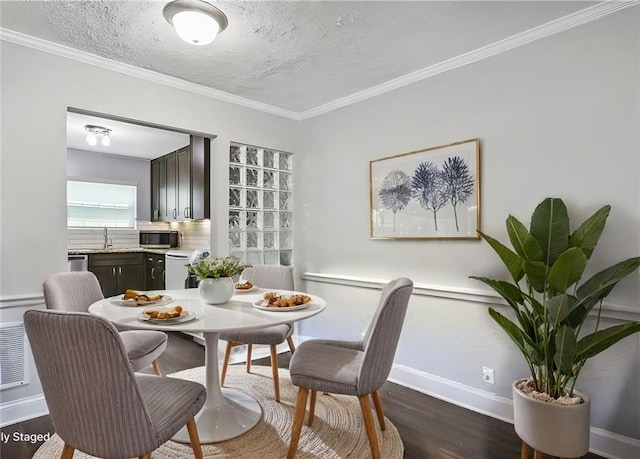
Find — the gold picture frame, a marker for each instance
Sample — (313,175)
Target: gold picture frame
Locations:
(427,194)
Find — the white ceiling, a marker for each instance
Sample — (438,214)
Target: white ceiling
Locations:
(126,139)
(293,56)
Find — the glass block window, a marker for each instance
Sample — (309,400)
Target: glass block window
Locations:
(260,205)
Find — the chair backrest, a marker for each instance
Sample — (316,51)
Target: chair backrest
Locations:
(94,401)
(381,339)
(72,291)
(270,276)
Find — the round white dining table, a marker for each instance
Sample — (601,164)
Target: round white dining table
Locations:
(227,413)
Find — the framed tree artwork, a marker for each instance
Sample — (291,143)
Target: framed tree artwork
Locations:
(427,194)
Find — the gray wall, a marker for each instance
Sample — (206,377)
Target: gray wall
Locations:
(91,165)
(33,167)
(557,117)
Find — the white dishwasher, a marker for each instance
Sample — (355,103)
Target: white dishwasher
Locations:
(176,273)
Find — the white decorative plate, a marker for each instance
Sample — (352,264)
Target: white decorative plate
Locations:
(262,304)
(118,301)
(247,290)
(185,316)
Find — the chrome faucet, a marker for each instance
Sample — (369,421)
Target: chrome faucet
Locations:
(106,241)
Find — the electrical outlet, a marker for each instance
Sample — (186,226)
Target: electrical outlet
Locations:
(487,375)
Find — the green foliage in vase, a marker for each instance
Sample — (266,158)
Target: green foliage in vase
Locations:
(550,301)
(215,268)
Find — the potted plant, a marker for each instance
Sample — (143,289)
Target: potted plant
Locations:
(550,305)
(215,274)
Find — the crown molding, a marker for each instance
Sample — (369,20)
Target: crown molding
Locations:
(149,75)
(570,21)
(559,25)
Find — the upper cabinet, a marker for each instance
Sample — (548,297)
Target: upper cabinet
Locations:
(180,183)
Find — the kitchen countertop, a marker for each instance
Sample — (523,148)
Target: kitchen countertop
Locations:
(118,250)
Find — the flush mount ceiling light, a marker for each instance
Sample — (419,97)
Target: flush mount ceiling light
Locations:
(196,22)
(93,132)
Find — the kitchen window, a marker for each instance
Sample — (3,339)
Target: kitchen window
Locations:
(92,204)
(260,205)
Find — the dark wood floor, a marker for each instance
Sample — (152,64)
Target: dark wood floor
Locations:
(430,428)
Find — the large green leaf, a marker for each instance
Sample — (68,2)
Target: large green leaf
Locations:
(509,292)
(566,349)
(536,306)
(601,284)
(550,226)
(588,234)
(515,333)
(597,342)
(577,315)
(536,272)
(568,269)
(522,241)
(559,307)
(510,259)
(534,355)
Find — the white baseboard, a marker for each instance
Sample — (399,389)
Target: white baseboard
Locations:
(604,443)
(468,397)
(613,446)
(22,410)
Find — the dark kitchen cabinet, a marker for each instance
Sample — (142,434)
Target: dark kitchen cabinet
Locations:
(154,270)
(171,189)
(180,183)
(159,189)
(183,184)
(117,272)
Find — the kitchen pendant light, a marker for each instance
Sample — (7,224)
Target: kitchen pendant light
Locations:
(93,132)
(196,21)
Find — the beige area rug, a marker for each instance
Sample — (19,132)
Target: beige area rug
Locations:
(337,430)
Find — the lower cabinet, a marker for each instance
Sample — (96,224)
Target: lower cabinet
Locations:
(117,272)
(154,269)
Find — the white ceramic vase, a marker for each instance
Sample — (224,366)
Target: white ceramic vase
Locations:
(216,291)
(557,430)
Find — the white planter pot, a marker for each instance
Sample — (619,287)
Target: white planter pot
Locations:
(216,291)
(557,430)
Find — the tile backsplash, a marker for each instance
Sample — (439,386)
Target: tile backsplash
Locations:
(195,235)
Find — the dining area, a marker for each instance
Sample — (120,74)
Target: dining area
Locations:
(214,410)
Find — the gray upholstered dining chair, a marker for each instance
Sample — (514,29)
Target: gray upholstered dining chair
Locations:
(357,368)
(98,405)
(76,291)
(269,277)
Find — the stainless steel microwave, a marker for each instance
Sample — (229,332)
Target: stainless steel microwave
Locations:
(159,239)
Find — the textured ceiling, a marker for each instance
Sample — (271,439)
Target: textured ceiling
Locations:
(292,55)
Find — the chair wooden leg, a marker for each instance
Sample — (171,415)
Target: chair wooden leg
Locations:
(274,371)
(145,456)
(524,451)
(292,347)
(365,406)
(312,408)
(67,451)
(537,454)
(298,419)
(378,404)
(225,362)
(249,349)
(194,438)
(156,367)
